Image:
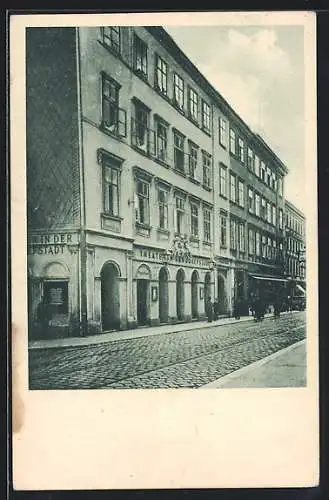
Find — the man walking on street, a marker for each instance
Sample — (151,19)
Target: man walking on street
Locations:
(209,310)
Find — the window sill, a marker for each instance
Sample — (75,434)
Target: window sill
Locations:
(116,218)
(192,179)
(223,146)
(207,188)
(223,247)
(193,120)
(141,151)
(161,162)
(141,75)
(206,131)
(161,93)
(180,172)
(142,225)
(179,109)
(223,196)
(207,243)
(163,231)
(115,135)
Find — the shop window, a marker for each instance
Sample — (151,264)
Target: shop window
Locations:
(56,296)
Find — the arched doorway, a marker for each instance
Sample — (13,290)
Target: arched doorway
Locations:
(110,297)
(194,294)
(180,298)
(143,291)
(221,295)
(207,288)
(163,295)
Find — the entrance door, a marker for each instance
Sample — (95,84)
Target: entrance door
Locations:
(163,295)
(142,301)
(110,297)
(180,294)
(194,294)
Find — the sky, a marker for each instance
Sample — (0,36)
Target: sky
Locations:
(259,70)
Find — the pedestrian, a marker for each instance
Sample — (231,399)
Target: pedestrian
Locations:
(237,309)
(277,307)
(209,310)
(216,309)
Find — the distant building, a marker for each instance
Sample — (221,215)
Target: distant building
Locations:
(295,242)
(146,192)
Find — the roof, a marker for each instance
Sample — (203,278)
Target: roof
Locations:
(293,208)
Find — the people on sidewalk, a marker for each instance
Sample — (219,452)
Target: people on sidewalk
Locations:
(216,309)
(209,310)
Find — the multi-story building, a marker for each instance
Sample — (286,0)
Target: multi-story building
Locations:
(295,250)
(147,193)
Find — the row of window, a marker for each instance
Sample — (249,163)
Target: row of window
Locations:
(246,155)
(257,204)
(184,222)
(295,225)
(259,245)
(294,245)
(198,109)
(295,269)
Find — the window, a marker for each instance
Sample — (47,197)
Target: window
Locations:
(274,215)
(223,231)
(269,248)
(280,186)
(268,176)
(264,247)
(232,141)
(250,158)
(268,212)
(241,193)
(263,209)
(233,234)
(206,225)
(140,55)
(143,212)
(178,91)
(179,215)
(257,239)
(257,166)
(194,220)
(241,149)
(257,205)
(179,140)
(262,170)
(140,130)
(280,219)
(250,200)
(273,181)
(193,104)
(161,74)
(193,160)
(163,208)
(111,192)
(206,161)
(161,141)
(205,116)
(241,237)
(232,188)
(113,117)
(111,37)
(251,242)
(222,131)
(223,181)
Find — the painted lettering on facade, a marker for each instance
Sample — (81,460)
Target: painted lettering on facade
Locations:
(48,244)
(161,256)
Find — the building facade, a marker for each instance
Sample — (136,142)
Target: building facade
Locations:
(295,261)
(147,194)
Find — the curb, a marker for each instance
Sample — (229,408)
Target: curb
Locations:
(253,366)
(136,336)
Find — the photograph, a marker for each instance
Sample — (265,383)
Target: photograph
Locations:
(164,240)
(165,206)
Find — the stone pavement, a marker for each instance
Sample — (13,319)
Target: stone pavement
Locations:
(136,333)
(284,368)
(189,358)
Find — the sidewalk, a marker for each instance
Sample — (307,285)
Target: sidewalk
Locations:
(136,333)
(284,368)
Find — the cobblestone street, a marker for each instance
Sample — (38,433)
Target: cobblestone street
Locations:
(187,359)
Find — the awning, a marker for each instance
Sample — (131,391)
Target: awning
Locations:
(268,278)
